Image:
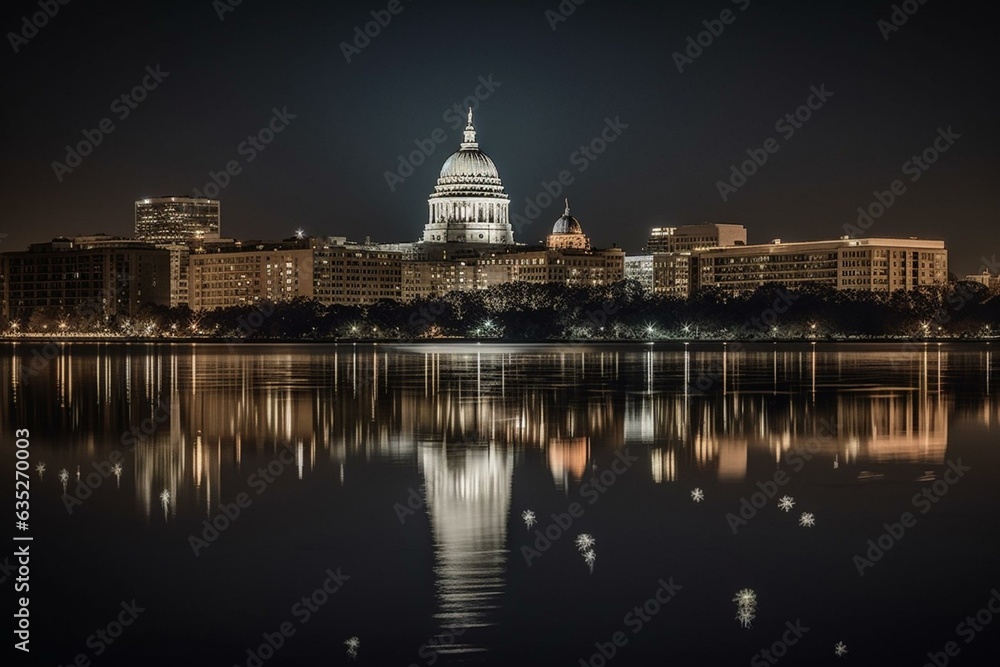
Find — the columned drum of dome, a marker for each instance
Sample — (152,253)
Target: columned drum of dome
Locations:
(469,204)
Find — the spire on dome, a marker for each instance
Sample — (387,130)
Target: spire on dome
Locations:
(566,212)
(470,135)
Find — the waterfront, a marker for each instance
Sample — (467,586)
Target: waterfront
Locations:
(408,467)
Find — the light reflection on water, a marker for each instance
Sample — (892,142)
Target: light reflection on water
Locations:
(461,415)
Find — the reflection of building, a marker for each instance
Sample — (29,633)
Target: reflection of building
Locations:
(468,490)
(568,459)
(104,280)
(874,264)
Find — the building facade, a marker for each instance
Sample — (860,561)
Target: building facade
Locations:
(104,280)
(354,275)
(178,225)
(177,219)
(686,238)
(873,264)
(241,277)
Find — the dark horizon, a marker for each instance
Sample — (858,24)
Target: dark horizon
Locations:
(221,80)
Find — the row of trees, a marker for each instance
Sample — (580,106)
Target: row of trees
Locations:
(522,311)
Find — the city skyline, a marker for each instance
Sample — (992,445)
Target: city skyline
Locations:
(322,165)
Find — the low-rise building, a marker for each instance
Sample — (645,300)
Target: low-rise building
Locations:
(108,278)
(874,264)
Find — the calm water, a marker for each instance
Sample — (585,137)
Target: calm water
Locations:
(409,467)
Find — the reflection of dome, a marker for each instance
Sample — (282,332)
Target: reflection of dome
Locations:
(567,224)
(469,204)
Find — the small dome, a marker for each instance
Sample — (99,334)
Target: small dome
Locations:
(567,224)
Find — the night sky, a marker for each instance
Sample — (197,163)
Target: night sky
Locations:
(325,172)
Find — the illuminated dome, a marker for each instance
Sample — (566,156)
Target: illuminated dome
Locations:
(469,167)
(567,224)
(469,204)
(567,234)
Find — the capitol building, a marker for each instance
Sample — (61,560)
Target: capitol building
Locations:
(467,244)
(469,204)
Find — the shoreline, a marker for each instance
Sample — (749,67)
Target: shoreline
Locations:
(87,340)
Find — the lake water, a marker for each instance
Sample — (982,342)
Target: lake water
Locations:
(404,470)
